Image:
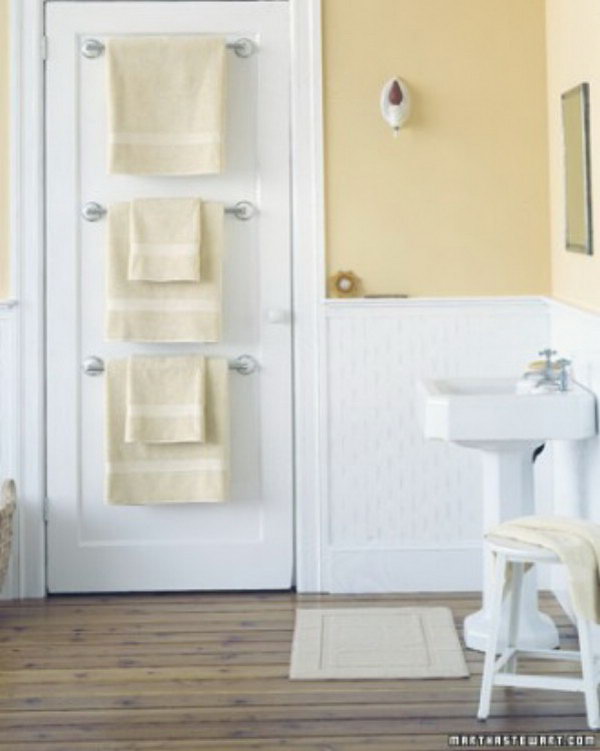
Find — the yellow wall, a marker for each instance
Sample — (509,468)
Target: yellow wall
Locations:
(458,204)
(573,31)
(4,158)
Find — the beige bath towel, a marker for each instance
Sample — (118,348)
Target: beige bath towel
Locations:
(577,544)
(166,104)
(165,400)
(163,312)
(151,473)
(165,239)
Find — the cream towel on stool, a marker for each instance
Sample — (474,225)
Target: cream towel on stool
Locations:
(165,400)
(577,544)
(165,238)
(165,311)
(166,104)
(152,473)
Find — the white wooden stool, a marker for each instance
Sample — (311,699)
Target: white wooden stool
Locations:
(503,671)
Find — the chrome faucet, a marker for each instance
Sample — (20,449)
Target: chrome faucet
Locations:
(553,373)
(563,374)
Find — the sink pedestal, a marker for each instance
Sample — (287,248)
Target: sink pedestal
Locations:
(508,493)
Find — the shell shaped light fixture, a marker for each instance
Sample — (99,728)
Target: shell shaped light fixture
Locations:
(395,103)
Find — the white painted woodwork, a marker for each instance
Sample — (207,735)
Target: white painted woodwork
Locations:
(9,400)
(576,335)
(27,242)
(245,543)
(402,513)
(309,283)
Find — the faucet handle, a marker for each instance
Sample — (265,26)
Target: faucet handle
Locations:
(547,353)
(563,373)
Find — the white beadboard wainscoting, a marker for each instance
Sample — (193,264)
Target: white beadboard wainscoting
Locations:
(9,396)
(400,513)
(576,335)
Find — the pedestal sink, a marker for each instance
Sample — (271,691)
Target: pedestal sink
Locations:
(489,415)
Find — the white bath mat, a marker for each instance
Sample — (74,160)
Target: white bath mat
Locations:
(350,643)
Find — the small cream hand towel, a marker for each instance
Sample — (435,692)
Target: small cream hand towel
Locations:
(165,400)
(153,473)
(169,311)
(166,104)
(165,236)
(577,544)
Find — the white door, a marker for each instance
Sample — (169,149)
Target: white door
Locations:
(245,542)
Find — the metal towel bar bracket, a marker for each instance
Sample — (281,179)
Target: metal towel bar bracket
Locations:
(244,365)
(92,211)
(244,47)
(242,210)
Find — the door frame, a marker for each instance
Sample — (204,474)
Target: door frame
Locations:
(28,51)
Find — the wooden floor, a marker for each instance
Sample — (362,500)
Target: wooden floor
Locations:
(208,672)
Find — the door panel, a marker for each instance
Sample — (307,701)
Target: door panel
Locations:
(245,542)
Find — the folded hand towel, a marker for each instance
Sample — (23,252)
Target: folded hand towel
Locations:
(165,400)
(577,544)
(151,473)
(166,111)
(164,239)
(170,311)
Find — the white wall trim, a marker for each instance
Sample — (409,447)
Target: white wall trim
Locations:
(407,546)
(404,570)
(9,424)
(345,304)
(557,305)
(308,283)
(27,172)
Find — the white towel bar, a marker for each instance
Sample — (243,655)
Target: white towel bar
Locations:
(244,47)
(244,365)
(242,210)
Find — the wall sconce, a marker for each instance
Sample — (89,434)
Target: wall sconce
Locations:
(395,103)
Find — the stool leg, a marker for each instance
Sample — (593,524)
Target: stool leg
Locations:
(515,611)
(588,671)
(487,679)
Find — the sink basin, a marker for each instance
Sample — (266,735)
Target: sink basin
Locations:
(473,411)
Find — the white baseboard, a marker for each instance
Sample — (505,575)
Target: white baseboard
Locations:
(356,571)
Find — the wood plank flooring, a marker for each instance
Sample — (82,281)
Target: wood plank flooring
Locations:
(208,672)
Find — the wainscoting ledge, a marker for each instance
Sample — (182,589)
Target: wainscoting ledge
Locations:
(360,303)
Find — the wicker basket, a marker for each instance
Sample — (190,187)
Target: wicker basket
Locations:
(8,502)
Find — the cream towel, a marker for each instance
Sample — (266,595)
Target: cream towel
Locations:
(165,399)
(577,544)
(165,238)
(166,104)
(150,473)
(165,312)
